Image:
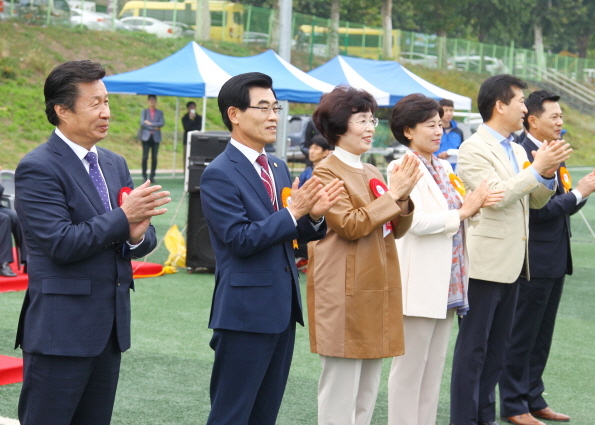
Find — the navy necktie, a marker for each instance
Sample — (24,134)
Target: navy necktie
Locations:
(97,179)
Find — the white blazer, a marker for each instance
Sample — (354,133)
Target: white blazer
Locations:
(425,252)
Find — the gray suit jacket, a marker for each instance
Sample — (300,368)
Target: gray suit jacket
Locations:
(498,241)
(146,129)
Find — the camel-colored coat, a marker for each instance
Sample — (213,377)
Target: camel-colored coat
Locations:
(354,284)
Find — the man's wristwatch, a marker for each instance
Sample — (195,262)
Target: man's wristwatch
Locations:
(315,222)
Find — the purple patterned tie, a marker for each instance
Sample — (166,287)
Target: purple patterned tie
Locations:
(265,176)
(97,179)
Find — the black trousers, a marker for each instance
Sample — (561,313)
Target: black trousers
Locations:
(521,385)
(15,227)
(5,241)
(150,145)
(480,351)
(63,390)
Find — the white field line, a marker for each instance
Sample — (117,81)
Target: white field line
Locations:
(8,421)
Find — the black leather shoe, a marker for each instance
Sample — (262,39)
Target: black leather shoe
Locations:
(6,271)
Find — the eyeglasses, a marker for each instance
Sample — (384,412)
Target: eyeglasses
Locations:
(267,109)
(364,123)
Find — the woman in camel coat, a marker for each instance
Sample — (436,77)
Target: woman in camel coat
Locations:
(354,289)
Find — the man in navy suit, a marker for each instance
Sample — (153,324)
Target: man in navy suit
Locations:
(75,320)
(521,385)
(256,301)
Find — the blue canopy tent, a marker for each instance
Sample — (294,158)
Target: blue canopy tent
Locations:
(387,81)
(195,71)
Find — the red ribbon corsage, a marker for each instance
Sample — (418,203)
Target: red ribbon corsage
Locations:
(124,190)
(379,188)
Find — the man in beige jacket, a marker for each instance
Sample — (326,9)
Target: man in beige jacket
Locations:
(497,243)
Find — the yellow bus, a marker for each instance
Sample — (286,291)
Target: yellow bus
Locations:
(360,42)
(226,17)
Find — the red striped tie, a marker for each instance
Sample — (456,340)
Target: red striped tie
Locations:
(267,180)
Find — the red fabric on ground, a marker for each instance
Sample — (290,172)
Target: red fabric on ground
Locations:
(11,370)
(21,281)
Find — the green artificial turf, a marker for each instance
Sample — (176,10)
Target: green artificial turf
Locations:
(165,375)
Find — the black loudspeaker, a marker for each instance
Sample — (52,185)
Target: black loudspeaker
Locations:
(199,252)
(204,147)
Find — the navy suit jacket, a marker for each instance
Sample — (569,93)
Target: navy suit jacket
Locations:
(549,230)
(255,270)
(79,268)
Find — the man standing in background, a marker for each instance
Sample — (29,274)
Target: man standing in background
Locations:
(452,136)
(151,121)
(521,385)
(191,121)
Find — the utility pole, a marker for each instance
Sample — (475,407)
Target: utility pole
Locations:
(285,31)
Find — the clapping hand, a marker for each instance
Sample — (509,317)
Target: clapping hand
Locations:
(313,198)
(404,177)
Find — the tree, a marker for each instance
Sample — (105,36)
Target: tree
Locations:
(387,28)
(203,21)
(334,30)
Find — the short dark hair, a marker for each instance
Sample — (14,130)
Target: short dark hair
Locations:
(332,114)
(152,96)
(534,104)
(496,88)
(446,102)
(236,92)
(319,140)
(190,103)
(410,111)
(61,86)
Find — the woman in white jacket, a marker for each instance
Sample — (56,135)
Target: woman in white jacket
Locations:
(434,263)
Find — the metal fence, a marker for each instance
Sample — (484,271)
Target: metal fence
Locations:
(313,36)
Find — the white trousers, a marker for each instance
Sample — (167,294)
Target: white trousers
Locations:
(415,378)
(347,390)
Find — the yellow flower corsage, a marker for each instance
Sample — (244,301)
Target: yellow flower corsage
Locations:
(566,179)
(285,201)
(457,183)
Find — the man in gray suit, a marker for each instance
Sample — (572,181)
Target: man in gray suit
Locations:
(151,121)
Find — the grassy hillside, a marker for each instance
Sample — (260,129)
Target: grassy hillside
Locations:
(27,55)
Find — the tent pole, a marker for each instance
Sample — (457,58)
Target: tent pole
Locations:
(204,114)
(282,124)
(173,167)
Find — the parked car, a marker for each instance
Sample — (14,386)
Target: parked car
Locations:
(473,63)
(152,26)
(413,58)
(187,30)
(5,10)
(119,25)
(258,38)
(36,11)
(94,20)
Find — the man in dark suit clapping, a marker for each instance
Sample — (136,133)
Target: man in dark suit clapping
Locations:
(256,302)
(75,320)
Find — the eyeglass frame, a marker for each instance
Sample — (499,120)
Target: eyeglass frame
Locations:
(374,122)
(267,109)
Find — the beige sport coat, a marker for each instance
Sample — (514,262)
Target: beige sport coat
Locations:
(498,241)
